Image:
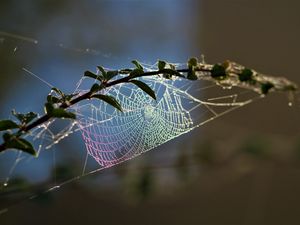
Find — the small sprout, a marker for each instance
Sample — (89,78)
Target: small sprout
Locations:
(137,64)
(226,64)
(24,118)
(7,125)
(144,87)
(218,72)
(59,92)
(108,99)
(136,72)
(144,185)
(246,75)
(167,69)
(103,72)
(139,70)
(192,62)
(161,64)
(53,99)
(265,87)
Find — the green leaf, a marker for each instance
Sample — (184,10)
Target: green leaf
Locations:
(218,72)
(62,113)
(265,87)
(246,75)
(109,99)
(111,74)
(125,71)
(103,72)
(92,75)
(48,108)
(24,118)
(136,72)
(192,62)
(171,72)
(161,64)
(191,75)
(99,77)
(95,88)
(52,99)
(12,141)
(137,64)
(57,91)
(8,124)
(70,96)
(144,87)
(58,112)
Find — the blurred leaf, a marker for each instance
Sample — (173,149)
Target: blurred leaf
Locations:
(109,99)
(256,147)
(205,152)
(62,172)
(144,185)
(8,124)
(144,87)
(181,164)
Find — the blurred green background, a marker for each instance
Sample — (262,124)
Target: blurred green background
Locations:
(240,169)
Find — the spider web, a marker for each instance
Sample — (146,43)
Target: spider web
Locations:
(112,137)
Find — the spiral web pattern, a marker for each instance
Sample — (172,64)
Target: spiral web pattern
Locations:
(144,124)
(112,137)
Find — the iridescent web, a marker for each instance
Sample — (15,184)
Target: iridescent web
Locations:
(112,137)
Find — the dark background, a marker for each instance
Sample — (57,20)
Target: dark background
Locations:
(240,169)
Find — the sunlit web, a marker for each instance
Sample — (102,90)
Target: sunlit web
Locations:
(112,137)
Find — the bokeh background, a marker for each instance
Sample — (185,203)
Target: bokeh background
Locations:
(240,169)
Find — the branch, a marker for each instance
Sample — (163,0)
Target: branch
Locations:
(228,73)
